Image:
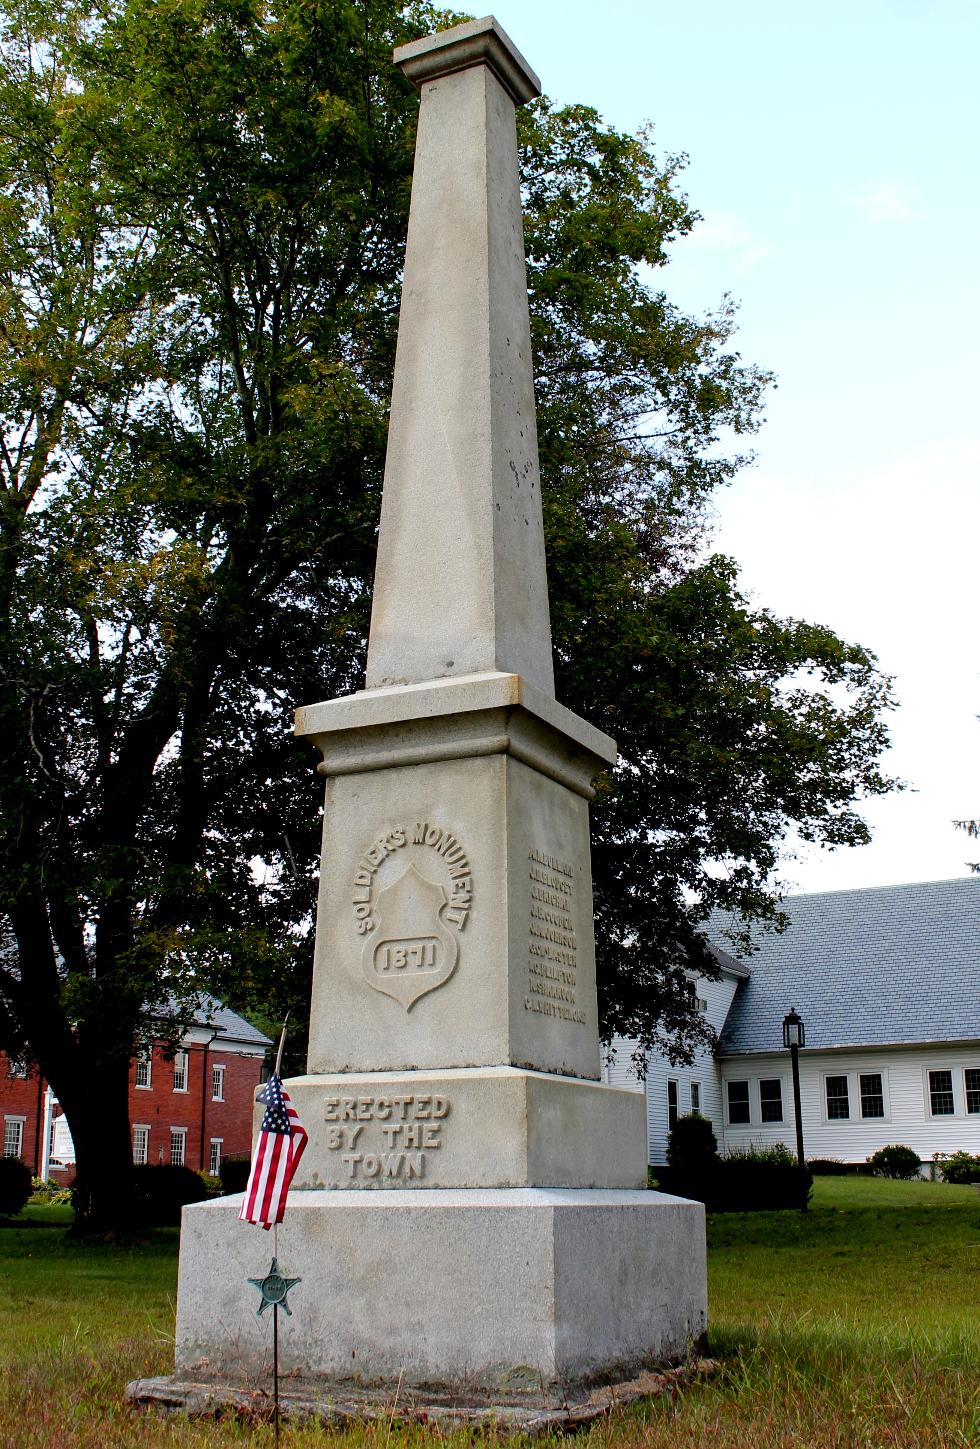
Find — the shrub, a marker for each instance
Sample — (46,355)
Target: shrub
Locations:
(760,1179)
(233,1173)
(959,1167)
(829,1167)
(51,1194)
(15,1185)
(692,1143)
(162,1190)
(692,1159)
(898,1162)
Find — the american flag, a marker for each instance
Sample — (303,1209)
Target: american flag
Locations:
(282,1140)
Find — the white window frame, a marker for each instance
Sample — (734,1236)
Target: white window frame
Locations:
(178,1135)
(675,1105)
(824,1104)
(144,1062)
(695,1089)
(969,1067)
(769,1121)
(13,1130)
(737,1081)
(141,1128)
(17,1068)
(217,1081)
(182,1071)
(954,1082)
(858,1095)
(214,1157)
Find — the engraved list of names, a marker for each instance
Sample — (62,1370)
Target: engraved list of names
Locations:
(552,961)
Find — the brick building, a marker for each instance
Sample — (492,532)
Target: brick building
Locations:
(195,1109)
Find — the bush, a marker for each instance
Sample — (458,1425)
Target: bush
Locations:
(959,1167)
(15,1185)
(692,1143)
(898,1162)
(51,1194)
(233,1173)
(162,1190)
(760,1179)
(829,1167)
(692,1159)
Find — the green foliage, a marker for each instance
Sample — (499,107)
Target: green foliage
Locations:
(161,1190)
(50,1194)
(692,1143)
(761,1179)
(829,1167)
(202,221)
(693,1163)
(15,1185)
(959,1167)
(233,1173)
(897,1161)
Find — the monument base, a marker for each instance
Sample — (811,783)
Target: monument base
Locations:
(493,1290)
(554,1411)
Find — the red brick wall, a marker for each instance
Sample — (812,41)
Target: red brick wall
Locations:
(159,1107)
(19,1098)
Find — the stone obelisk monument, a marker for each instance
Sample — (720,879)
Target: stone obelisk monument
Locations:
(471,1207)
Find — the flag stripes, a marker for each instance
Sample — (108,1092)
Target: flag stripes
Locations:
(281,1143)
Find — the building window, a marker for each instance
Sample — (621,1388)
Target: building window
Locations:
(17,1067)
(771,1099)
(141,1145)
(178,1146)
(838,1105)
(696,1097)
(941,1094)
(671,1105)
(144,1068)
(972,1076)
(872,1095)
(214,1156)
(738,1103)
(703,1005)
(217,1084)
(180,1072)
(13,1136)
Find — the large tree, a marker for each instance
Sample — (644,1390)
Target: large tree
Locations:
(201,234)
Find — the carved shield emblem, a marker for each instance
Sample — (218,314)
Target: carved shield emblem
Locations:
(411,952)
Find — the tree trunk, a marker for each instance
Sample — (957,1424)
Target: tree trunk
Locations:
(97,1108)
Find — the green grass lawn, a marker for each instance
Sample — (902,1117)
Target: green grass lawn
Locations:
(855,1326)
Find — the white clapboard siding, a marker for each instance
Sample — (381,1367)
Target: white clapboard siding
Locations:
(703,1070)
(908,1119)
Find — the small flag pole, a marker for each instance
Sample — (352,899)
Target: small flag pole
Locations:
(275,1254)
(282,1043)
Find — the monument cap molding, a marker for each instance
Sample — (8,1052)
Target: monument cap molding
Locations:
(477,42)
(457,718)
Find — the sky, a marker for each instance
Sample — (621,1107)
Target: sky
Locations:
(833,156)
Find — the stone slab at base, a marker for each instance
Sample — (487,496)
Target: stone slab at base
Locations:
(467,1127)
(532,1413)
(479,1289)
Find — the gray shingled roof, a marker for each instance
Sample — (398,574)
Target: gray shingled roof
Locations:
(232,1027)
(881,966)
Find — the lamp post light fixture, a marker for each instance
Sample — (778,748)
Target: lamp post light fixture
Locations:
(794,1036)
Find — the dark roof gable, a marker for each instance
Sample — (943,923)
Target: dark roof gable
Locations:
(879,966)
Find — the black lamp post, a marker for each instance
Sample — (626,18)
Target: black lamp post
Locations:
(794,1036)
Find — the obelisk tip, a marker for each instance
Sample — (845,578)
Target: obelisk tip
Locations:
(477,42)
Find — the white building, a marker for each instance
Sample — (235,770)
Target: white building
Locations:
(887,981)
